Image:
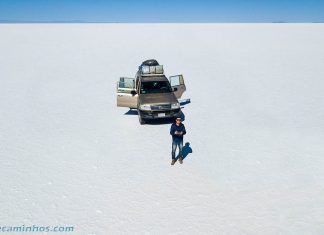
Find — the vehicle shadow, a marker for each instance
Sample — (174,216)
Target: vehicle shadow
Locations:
(163,121)
(131,112)
(184,102)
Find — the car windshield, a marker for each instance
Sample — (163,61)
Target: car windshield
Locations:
(155,87)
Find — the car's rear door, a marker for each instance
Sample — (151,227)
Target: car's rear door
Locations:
(177,82)
(125,98)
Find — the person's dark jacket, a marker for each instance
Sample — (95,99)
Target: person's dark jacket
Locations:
(174,128)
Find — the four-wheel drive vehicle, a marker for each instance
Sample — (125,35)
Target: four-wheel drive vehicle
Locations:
(151,93)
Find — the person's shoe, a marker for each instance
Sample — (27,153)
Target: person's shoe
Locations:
(173,161)
(180,160)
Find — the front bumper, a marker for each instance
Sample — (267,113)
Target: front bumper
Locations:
(159,114)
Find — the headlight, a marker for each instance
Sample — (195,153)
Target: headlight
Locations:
(175,106)
(145,107)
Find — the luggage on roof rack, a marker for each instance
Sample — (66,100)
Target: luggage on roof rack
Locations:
(151,62)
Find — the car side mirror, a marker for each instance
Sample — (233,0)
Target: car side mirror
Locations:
(175,89)
(133,92)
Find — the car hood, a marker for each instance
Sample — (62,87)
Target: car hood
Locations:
(157,98)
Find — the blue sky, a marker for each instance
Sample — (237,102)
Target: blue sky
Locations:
(162,11)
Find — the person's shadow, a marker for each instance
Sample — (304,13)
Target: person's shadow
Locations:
(186,150)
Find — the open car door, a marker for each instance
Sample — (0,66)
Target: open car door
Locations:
(178,85)
(125,98)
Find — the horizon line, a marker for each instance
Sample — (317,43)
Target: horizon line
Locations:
(150,22)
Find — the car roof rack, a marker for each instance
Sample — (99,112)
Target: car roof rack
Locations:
(151,70)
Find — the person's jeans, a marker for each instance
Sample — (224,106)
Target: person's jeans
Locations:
(175,144)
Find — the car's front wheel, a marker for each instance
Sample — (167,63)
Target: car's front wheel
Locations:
(141,119)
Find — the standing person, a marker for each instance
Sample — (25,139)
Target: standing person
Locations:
(177,131)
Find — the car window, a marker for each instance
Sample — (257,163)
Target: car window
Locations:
(126,83)
(155,87)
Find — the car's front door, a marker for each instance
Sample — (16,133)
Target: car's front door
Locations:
(125,93)
(177,82)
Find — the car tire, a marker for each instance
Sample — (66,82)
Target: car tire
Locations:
(141,120)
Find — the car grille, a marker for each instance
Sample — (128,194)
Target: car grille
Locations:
(161,107)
